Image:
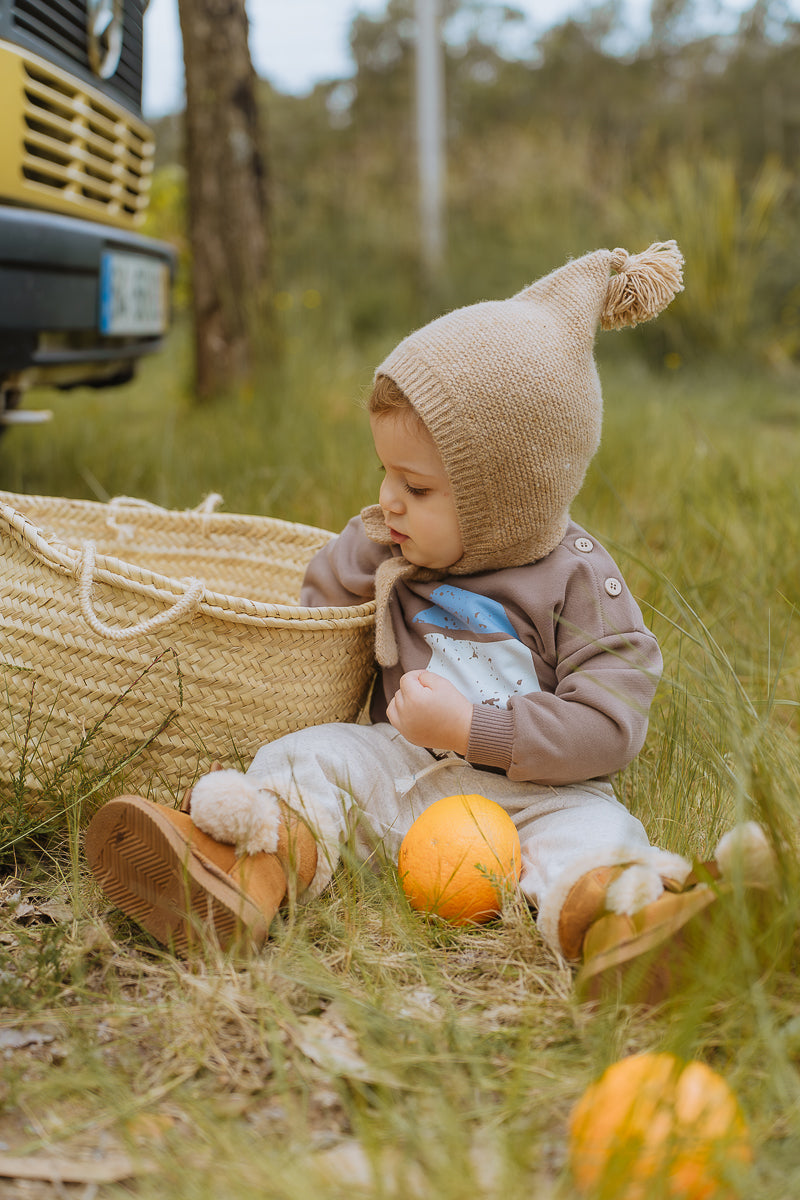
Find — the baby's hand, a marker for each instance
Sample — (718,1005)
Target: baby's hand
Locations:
(430,711)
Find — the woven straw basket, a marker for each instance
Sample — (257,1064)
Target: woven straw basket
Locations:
(161,640)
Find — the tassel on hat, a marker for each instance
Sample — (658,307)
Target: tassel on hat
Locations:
(642,285)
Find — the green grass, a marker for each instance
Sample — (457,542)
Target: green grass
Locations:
(368,1051)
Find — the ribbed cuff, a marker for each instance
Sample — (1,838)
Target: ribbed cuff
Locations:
(491,737)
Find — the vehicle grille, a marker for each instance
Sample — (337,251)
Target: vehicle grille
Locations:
(82,149)
(61,25)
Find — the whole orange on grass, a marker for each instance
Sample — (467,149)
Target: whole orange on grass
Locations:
(656,1128)
(457,858)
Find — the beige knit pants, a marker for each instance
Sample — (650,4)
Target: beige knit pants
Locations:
(367,782)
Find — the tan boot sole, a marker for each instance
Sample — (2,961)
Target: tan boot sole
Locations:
(151,872)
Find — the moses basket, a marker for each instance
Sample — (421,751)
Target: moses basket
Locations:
(150,642)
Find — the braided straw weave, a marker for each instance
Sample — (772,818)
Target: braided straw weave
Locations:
(153,641)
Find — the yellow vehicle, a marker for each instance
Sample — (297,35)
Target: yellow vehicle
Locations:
(82,293)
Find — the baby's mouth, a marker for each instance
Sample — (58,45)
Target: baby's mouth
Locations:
(399,538)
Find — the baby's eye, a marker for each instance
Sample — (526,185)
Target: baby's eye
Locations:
(415,491)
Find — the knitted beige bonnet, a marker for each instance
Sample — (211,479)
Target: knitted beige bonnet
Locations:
(510,394)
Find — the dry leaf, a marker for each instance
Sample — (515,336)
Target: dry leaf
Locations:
(420,1003)
(26,911)
(332,1046)
(53,1169)
(347,1163)
(149,1128)
(55,911)
(15,1039)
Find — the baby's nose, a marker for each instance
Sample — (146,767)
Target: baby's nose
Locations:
(390,497)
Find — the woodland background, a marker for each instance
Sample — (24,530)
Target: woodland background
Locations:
(588,139)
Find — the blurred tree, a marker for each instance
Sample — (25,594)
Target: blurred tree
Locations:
(579,137)
(227,197)
(668,18)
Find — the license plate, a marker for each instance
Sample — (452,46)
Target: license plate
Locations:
(134,294)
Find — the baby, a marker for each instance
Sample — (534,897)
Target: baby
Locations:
(513,660)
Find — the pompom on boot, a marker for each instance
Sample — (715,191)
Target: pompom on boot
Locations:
(215,872)
(638,934)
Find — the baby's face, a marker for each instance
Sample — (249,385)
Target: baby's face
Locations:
(415,495)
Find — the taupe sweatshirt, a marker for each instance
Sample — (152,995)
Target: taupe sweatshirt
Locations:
(554,655)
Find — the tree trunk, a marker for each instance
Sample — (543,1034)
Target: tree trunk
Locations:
(228,196)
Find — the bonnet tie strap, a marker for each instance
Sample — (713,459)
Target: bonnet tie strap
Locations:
(388,574)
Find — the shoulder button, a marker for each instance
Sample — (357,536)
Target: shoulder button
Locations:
(584,544)
(613,587)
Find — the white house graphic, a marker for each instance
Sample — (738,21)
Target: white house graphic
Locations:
(486,672)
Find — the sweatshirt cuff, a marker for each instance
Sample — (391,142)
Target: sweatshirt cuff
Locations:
(491,737)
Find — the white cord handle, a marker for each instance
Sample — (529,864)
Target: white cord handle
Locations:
(208,504)
(183,607)
(123,504)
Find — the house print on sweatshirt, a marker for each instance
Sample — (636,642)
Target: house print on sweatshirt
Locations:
(487,668)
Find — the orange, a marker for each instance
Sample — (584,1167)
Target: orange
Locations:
(458,857)
(656,1128)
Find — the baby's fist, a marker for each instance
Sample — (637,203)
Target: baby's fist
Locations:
(430,711)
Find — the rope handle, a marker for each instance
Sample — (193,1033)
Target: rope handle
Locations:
(119,506)
(185,606)
(208,504)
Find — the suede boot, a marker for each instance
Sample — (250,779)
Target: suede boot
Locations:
(295,848)
(645,952)
(186,887)
(590,897)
